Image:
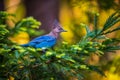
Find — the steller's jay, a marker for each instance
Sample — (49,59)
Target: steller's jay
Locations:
(48,40)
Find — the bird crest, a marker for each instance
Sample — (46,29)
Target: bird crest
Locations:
(56,24)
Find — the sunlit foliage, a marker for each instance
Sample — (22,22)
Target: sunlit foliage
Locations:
(60,63)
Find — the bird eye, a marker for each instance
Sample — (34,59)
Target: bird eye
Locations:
(60,28)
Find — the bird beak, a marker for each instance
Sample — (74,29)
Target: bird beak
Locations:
(63,30)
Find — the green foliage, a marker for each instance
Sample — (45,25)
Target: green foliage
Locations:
(4,16)
(110,22)
(28,25)
(107,4)
(59,64)
(103,4)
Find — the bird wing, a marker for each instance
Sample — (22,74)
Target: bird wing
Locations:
(42,38)
(39,40)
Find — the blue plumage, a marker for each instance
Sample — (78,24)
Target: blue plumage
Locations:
(45,41)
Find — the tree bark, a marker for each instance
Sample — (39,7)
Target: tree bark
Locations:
(46,11)
(1,5)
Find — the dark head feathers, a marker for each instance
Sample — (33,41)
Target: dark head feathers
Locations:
(56,24)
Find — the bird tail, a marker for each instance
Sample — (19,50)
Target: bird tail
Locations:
(12,49)
(24,45)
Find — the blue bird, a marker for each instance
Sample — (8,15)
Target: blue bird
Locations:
(48,40)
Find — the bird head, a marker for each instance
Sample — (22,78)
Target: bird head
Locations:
(57,27)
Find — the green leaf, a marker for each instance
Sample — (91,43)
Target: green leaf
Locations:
(88,30)
(113,19)
(16,54)
(96,69)
(96,23)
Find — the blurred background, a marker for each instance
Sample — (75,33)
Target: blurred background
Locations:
(71,14)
